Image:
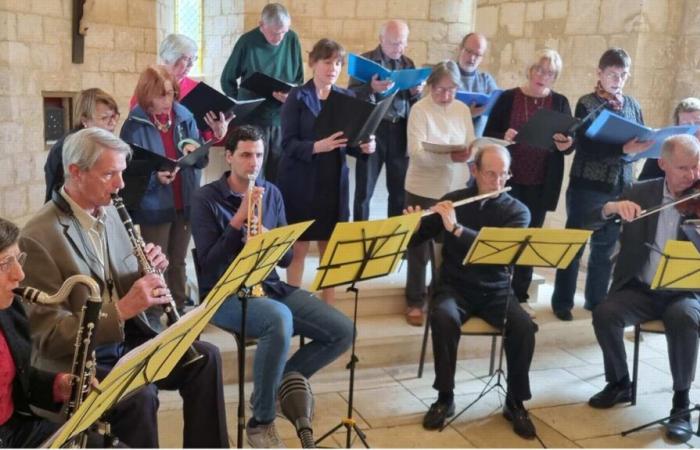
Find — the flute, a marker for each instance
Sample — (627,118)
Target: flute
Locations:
(468,200)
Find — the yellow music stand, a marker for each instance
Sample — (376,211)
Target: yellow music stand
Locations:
(360,251)
(156,358)
(535,247)
(679,267)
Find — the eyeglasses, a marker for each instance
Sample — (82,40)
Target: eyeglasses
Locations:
(114,117)
(505,176)
(471,52)
(440,90)
(6,263)
(541,71)
(614,76)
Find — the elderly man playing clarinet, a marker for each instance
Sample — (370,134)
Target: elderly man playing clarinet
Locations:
(478,290)
(631,301)
(79,232)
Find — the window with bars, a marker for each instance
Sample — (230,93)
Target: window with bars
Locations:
(188,21)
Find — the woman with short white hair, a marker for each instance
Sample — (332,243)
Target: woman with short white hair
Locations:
(537,173)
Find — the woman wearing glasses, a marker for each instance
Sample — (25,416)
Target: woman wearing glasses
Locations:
(93,108)
(437,118)
(598,174)
(21,384)
(537,172)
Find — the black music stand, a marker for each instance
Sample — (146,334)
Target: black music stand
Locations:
(536,247)
(360,251)
(678,270)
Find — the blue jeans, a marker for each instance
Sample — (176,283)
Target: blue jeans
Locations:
(583,209)
(273,322)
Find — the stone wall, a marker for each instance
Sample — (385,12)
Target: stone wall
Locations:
(35,57)
(661,36)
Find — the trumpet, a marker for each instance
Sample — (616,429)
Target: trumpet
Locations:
(254,225)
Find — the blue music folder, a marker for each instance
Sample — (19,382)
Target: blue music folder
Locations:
(479,99)
(364,69)
(611,128)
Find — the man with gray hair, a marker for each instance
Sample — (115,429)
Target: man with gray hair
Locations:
(273,49)
(631,301)
(391,134)
(477,290)
(79,232)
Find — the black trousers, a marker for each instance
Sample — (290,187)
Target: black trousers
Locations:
(135,419)
(391,151)
(531,196)
(273,151)
(635,304)
(417,258)
(451,310)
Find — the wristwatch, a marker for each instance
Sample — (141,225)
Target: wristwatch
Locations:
(455,228)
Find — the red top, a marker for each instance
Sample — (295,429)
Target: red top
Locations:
(171,152)
(7,376)
(529,165)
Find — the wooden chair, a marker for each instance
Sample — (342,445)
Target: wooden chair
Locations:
(474,326)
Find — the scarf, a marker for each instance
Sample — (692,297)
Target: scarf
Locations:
(616,101)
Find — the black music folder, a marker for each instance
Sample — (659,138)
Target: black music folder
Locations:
(144,162)
(538,131)
(265,85)
(356,118)
(204,98)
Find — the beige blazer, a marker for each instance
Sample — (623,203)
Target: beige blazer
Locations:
(56,249)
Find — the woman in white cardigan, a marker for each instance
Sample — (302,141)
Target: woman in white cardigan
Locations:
(436,118)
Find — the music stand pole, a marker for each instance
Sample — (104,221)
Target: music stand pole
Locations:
(499,373)
(242,295)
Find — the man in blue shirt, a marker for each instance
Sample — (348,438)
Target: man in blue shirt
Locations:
(218,229)
(471,54)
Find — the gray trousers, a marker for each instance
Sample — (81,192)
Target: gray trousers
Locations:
(636,303)
(417,259)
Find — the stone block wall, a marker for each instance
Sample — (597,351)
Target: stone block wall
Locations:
(35,57)
(661,36)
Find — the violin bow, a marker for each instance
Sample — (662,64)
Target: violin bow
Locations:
(654,210)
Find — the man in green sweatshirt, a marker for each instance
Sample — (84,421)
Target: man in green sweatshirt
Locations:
(273,49)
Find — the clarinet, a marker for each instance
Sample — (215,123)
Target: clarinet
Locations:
(138,246)
(84,364)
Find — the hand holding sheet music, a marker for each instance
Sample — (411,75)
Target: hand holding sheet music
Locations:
(204,99)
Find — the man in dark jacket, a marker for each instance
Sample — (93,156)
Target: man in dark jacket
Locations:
(478,290)
(631,301)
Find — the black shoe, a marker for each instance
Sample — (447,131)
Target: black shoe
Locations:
(611,395)
(564,315)
(436,415)
(522,425)
(679,428)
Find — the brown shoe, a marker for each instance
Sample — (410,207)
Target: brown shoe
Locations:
(415,317)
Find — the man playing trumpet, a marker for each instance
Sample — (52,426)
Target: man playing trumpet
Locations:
(218,217)
(79,232)
(477,290)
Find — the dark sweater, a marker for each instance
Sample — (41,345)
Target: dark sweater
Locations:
(499,122)
(598,166)
(503,211)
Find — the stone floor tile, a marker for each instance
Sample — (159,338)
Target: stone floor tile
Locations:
(650,438)
(422,388)
(650,379)
(479,367)
(407,436)
(553,358)
(580,421)
(339,380)
(557,387)
(388,406)
(495,431)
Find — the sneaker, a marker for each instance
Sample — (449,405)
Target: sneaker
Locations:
(528,309)
(436,415)
(263,436)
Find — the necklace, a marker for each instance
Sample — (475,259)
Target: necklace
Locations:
(538,103)
(162,127)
